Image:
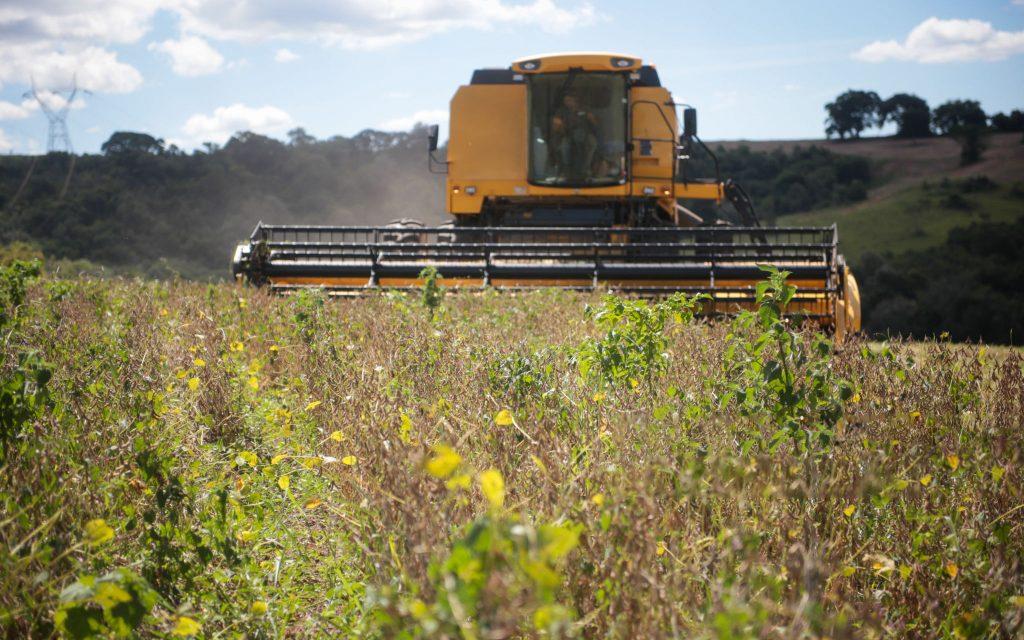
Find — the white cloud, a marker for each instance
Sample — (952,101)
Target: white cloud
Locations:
(190,56)
(91,68)
(6,144)
(226,121)
(54,41)
(11,111)
(368,24)
(285,55)
(53,100)
(791,87)
(95,21)
(936,41)
(404,123)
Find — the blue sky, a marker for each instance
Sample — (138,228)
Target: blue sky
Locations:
(192,71)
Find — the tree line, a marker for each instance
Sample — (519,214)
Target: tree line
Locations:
(148,208)
(856,110)
(803,179)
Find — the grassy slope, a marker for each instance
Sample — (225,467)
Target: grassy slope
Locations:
(195,422)
(898,214)
(912,219)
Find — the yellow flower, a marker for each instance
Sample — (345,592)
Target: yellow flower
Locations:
(952,570)
(997,473)
(953,461)
(492,485)
(540,463)
(313,504)
(880,564)
(349,460)
(926,479)
(247,457)
(193,384)
(599,396)
(278,458)
(284,482)
(661,548)
(242,303)
(237,346)
(503,418)
(444,462)
(597,499)
(199,362)
(915,415)
(273,348)
(459,481)
(850,510)
(312,405)
(337,436)
(185,627)
(98,532)
(109,595)
(258,608)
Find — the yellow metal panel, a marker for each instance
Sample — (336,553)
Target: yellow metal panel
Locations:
(852,292)
(654,121)
(585,60)
(487,140)
(699,190)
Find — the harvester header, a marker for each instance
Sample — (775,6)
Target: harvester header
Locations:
(568,170)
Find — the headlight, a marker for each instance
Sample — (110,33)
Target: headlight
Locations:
(622,63)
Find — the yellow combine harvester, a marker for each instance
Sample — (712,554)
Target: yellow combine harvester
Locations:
(567,171)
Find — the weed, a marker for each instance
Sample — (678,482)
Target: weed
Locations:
(432,293)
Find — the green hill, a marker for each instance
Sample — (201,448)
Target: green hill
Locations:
(916,217)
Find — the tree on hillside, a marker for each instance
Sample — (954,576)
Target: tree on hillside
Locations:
(851,113)
(958,114)
(124,142)
(909,113)
(965,121)
(1008,123)
(298,137)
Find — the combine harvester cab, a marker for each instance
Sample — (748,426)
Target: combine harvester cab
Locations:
(567,171)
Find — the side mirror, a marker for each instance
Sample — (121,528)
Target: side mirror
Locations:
(689,122)
(432,132)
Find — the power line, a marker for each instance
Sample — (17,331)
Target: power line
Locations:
(58,138)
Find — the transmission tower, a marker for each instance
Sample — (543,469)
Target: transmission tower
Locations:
(57,138)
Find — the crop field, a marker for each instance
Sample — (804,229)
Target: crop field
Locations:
(199,460)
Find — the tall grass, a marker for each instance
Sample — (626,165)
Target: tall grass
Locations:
(213,461)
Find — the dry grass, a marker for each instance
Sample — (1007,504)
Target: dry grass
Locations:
(177,410)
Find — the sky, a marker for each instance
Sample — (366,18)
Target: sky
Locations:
(195,71)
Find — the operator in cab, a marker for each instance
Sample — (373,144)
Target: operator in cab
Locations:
(574,133)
